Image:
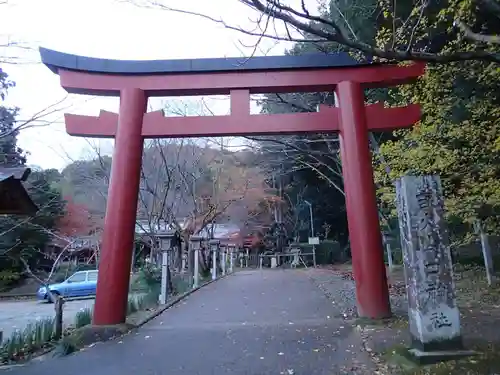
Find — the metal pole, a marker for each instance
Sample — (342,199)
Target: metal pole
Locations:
(312,219)
(312,231)
(389,252)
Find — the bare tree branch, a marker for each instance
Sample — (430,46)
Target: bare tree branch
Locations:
(476,37)
(316,29)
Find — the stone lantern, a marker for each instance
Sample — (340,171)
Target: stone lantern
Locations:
(232,248)
(214,248)
(223,258)
(167,240)
(195,243)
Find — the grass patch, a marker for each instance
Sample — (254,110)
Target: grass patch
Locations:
(181,284)
(88,335)
(21,345)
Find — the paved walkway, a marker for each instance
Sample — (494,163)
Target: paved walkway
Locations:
(251,323)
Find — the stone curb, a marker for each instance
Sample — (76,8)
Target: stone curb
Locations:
(6,297)
(175,301)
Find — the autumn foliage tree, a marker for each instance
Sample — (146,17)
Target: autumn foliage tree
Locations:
(77,220)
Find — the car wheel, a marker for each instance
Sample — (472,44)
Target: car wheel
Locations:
(52,299)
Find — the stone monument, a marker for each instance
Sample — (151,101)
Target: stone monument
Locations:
(434,318)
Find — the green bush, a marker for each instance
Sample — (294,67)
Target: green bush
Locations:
(83,317)
(206,273)
(181,284)
(132,305)
(9,279)
(148,277)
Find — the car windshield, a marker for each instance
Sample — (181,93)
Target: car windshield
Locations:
(78,277)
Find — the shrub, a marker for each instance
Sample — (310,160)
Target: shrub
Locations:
(9,278)
(22,343)
(181,284)
(132,306)
(83,317)
(148,277)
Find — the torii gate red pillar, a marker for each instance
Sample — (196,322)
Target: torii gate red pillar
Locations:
(121,209)
(135,81)
(361,203)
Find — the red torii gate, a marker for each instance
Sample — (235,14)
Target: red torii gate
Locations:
(135,81)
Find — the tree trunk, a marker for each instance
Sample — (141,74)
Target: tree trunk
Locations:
(205,261)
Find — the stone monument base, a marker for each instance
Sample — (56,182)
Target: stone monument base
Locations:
(431,357)
(453,344)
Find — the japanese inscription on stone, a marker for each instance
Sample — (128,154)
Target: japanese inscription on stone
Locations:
(432,307)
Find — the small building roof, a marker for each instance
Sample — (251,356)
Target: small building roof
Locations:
(14,199)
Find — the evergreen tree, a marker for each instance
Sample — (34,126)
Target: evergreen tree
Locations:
(457,137)
(10,154)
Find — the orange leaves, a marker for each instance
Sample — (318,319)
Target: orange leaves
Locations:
(77,220)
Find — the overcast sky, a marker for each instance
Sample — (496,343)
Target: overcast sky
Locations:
(107,29)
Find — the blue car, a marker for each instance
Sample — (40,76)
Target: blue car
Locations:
(80,284)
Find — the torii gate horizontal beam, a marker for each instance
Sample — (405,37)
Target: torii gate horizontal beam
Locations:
(326,120)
